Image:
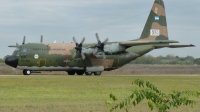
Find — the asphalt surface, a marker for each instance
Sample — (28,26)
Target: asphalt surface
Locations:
(194,75)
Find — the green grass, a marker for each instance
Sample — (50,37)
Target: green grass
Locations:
(81,93)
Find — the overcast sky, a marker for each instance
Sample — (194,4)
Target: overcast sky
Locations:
(119,20)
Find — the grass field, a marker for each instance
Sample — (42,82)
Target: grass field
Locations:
(63,93)
(127,69)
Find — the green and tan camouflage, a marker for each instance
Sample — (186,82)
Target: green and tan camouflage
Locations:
(156,25)
(94,58)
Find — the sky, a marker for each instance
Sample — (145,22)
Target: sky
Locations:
(119,20)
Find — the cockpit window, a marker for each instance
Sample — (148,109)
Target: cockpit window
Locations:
(16,52)
(25,49)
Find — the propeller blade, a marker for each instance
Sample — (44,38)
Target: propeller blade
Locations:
(75,40)
(82,40)
(95,51)
(78,48)
(41,39)
(23,42)
(74,55)
(104,55)
(97,36)
(105,41)
(83,56)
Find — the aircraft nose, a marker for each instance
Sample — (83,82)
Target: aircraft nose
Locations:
(12,61)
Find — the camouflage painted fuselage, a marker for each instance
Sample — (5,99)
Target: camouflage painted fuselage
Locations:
(58,56)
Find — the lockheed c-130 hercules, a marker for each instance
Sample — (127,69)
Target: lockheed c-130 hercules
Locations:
(79,58)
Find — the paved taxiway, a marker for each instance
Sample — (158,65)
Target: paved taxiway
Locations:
(185,75)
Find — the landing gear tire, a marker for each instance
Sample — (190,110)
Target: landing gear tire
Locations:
(26,72)
(80,72)
(97,73)
(71,72)
(88,73)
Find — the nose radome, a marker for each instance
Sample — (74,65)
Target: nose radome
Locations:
(12,61)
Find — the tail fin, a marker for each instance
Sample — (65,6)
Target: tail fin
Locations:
(156,25)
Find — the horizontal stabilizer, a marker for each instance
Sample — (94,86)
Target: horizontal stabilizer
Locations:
(135,43)
(172,46)
(13,46)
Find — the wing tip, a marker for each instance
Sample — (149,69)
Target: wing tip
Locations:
(192,45)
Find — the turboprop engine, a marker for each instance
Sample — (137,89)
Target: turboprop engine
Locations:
(108,48)
(114,48)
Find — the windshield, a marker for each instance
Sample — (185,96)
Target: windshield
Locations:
(17,49)
(16,52)
(25,49)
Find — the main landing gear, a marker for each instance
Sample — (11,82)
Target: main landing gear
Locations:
(88,73)
(81,72)
(97,73)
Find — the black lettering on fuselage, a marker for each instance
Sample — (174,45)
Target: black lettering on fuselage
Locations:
(25,60)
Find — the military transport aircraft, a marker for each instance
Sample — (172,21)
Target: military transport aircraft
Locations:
(93,58)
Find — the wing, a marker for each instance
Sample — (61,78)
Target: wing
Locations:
(172,46)
(136,43)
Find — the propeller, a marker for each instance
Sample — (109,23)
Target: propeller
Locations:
(100,46)
(41,39)
(79,47)
(23,42)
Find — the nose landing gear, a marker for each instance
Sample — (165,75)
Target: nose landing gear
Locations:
(26,72)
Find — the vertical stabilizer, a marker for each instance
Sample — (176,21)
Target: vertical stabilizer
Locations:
(156,25)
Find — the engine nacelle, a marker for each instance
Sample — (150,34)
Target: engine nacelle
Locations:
(88,51)
(114,48)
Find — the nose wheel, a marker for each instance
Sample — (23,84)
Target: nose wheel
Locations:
(26,72)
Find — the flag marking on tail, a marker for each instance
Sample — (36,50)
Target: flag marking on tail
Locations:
(157,18)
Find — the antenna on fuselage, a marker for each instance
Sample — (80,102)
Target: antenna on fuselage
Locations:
(41,39)
(23,42)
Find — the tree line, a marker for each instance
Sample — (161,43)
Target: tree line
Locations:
(1,60)
(168,59)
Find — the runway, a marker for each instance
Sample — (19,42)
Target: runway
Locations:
(104,75)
